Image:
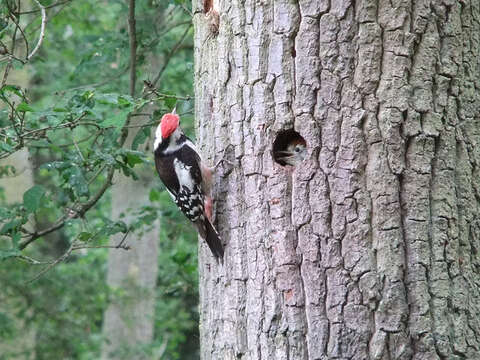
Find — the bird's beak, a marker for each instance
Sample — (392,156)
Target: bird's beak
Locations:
(174,111)
(285,156)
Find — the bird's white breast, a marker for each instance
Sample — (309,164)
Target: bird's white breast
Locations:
(183,174)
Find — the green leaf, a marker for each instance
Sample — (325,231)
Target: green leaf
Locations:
(117,120)
(154,195)
(7,170)
(111,99)
(181,257)
(142,135)
(105,157)
(124,101)
(24,107)
(16,239)
(112,228)
(84,236)
(82,102)
(10,225)
(133,159)
(3,23)
(5,147)
(170,102)
(5,254)
(17,90)
(55,165)
(77,181)
(128,172)
(33,197)
(119,226)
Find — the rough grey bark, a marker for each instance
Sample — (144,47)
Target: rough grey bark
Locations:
(369,248)
(129,318)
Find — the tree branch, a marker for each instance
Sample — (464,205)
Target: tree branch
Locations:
(73,247)
(133,46)
(73,213)
(79,210)
(10,60)
(42,30)
(12,17)
(52,264)
(58,3)
(170,55)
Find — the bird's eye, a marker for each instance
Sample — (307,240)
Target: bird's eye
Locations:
(297,149)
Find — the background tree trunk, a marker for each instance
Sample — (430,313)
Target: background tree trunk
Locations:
(22,348)
(129,318)
(368,249)
(15,186)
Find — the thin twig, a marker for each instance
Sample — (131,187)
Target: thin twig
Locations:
(170,55)
(70,124)
(12,57)
(21,31)
(9,64)
(124,247)
(89,204)
(120,245)
(46,7)
(42,30)
(62,145)
(50,17)
(73,213)
(78,149)
(161,96)
(170,28)
(73,247)
(97,174)
(186,10)
(79,210)
(99,84)
(37,234)
(32,260)
(150,123)
(54,263)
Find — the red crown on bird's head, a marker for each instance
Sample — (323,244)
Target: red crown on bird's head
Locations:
(169,124)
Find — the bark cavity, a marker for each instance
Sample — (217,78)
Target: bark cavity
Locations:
(289,143)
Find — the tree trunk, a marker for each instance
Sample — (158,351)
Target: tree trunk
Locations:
(368,248)
(129,319)
(21,348)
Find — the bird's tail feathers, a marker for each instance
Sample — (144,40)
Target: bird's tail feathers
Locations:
(213,239)
(208,233)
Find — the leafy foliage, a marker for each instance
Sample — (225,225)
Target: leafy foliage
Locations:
(73,118)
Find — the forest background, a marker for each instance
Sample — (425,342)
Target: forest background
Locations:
(69,105)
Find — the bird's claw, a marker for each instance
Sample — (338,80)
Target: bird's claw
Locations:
(223,158)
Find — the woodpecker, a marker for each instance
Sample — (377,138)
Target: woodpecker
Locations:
(294,153)
(186,178)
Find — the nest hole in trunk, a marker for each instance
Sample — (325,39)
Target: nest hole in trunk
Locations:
(289,148)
